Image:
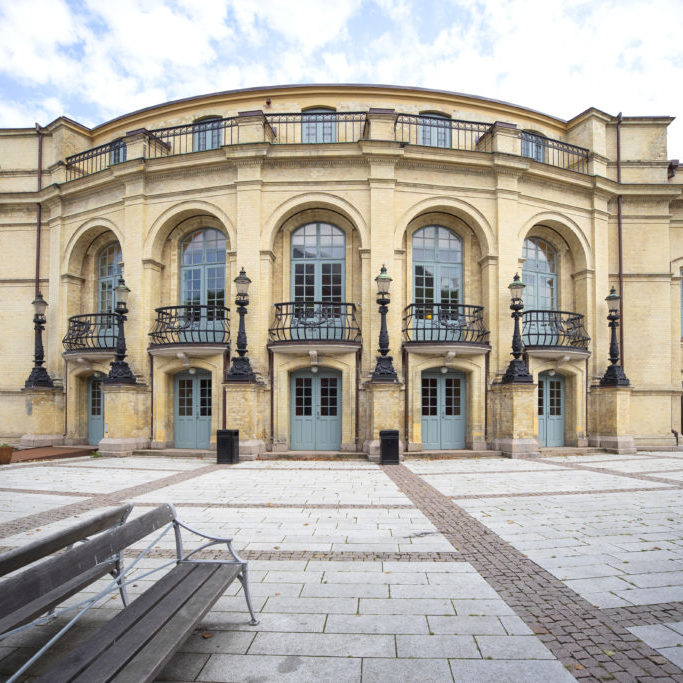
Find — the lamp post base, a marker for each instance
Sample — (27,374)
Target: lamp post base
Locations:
(120,373)
(517,373)
(240,370)
(614,377)
(384,370)
(38,378)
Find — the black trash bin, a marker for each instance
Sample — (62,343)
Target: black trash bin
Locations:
(388,447)
(227,446)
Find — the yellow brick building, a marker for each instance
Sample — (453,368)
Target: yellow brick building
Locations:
(312,189)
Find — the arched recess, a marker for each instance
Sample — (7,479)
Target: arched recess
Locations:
(79,264)
(322,201)
(467,213)
(282,269)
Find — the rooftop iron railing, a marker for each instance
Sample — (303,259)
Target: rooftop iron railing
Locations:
(305,321)
(555,152)
(554,329)
(444,324)
(318,127)
(191,324)
(194,137)
(435,131)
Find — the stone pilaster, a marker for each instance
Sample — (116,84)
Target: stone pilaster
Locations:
(514,420)
(45,409)
(126,411)
(245,405)
(610,419)
(385,407)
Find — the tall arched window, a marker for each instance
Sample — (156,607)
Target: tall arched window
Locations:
(434,130)
(206,134)
(539,274)
(437,266)
(108,274)
(318,258)
(318,125)
(202,269)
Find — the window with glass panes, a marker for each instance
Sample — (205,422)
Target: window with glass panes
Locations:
(202,271)
(318,256)
(434,130)
(437,266)
(318,125)
(206,134)
(108,274)
(539,274)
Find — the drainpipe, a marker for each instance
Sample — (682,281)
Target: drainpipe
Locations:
(39,207)
(486,396)
(407,397)
(271,375)
(620,242)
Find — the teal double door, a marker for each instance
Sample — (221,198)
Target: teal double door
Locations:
(315,407)
(551,409)
(443,401)
(192,409)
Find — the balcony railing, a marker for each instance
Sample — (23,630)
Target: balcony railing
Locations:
(91,332)
(95,159)
(194,137)
(554,329)
(555,152)
(444,324)
(434,131)
(315,321)
(318,127)
(191,324)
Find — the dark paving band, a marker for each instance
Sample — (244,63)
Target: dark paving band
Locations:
(588,641)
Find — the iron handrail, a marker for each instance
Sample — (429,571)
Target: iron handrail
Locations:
(318,127)
(191,324)
(315,321)
(95,331)
(555,152)
(444,323)
(435,131)
(554,329)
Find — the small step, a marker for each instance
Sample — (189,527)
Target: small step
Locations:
(312,455)
(554,451)
(198,453)
(463,454)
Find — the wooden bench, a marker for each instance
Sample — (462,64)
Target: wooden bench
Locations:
(137,643)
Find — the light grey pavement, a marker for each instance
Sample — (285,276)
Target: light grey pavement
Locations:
(353,582)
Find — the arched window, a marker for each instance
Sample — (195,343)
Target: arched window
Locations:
(108,274)
(206,134)
(117,152)
(533,146)
(202,269)
(437,266)
(539,274)
(318,258)
(318,125)
(434,130)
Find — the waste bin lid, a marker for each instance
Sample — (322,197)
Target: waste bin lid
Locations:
(388,432)
(229,432)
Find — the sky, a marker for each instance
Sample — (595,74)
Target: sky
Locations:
(93,60)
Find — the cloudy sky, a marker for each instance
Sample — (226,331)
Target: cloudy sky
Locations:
(92,60)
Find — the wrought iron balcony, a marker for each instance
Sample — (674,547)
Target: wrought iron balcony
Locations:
(91,332)
(318,127)
(444,324)
(190,324)
(551,329)
(435,131)
(312,321)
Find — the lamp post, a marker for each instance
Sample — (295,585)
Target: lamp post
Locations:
(614,375)
(384,370)
(241,371)
(517,372)
(120,372)
(38,376)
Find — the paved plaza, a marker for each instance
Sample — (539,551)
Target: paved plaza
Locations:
(550,569)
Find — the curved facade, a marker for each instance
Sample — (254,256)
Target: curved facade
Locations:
(312,189)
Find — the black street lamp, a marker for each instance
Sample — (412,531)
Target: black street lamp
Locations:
(517,372)
(120,372)
(38,376)
(384,370)
(614,375)
(241,371)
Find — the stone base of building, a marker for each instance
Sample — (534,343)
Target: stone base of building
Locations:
(371,448)
(623,445)
(121,447)
(514,448)
(251,449)
(40,440)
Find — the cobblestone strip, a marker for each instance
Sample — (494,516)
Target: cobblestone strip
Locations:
(46,492)
(605,470)
(590,644)
(639,615)
(535,494)
(18,526)
(284,506)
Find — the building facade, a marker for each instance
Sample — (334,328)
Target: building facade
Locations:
(312,190)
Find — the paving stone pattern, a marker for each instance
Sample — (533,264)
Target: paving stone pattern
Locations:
(554,569)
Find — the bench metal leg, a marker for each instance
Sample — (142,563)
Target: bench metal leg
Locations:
(117,575)
(242,576)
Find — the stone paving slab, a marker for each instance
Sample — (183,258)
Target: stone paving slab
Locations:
(366,573)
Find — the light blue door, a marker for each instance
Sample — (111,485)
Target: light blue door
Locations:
(443,410)
(550,409)
(95,411)
(192,420)
(315,411)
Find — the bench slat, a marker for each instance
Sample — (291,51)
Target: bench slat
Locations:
(138,642)
(34,582)
(54,597)
(21,557)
